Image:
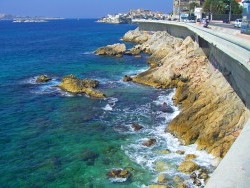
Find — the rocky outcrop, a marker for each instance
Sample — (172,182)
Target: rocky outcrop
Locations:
(75,85)
(136,36)
(43,78)
(212,115)
(188,167)
(112,50)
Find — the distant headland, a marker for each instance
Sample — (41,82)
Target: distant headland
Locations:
(125,18)
(15,18)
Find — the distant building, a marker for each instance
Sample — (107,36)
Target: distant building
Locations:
(183,6)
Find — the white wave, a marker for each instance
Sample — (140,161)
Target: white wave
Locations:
(107,108)
(149,157)
(88,53)
(111,103)
(135,72)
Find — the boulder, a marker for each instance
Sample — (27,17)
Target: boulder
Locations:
(136,126)
(43,78)
(75,85)
(127,78)
(149,142)
(188,167)
(112,50)
(161,166)
(118,175)
(162,179)
(190,157)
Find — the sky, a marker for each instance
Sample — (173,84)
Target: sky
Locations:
(80,8)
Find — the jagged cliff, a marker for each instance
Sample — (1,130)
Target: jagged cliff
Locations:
(212,115)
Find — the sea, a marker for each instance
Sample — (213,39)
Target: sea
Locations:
(51,138)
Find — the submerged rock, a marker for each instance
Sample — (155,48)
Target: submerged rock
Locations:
(162,178)
(112,50)
(89,156)
(149,142)
(137,127)
(118,175)
(43,78)
(75,85)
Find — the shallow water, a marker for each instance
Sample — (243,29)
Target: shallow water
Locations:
(45,133)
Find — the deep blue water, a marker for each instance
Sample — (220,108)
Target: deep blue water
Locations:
(45,133)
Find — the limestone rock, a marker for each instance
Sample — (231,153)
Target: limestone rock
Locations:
(136,36)
(75,85)
(212,115)
(188,167)
(160,166)
(112,50)
(43,78)
(190,157)
(162,179)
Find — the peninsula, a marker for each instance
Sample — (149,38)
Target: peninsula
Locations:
(125,18)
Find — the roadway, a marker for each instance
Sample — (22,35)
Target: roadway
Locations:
(224,25)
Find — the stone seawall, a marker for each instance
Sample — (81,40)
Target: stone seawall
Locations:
(230,59)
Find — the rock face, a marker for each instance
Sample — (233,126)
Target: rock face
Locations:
(43,78)
(212,115)
(75,85)
(112,50)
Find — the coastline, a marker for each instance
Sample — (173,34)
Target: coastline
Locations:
(211,114)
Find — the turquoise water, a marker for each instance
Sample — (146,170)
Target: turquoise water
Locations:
(52,138)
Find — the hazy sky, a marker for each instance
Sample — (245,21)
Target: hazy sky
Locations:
(79,8)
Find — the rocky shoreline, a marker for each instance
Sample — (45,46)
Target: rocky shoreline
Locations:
(212,115)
